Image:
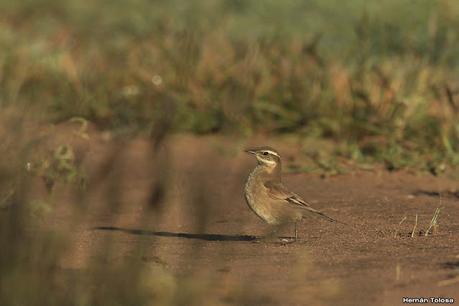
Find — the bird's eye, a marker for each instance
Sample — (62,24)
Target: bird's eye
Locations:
(265,153)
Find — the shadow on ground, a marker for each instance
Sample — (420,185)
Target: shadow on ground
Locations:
(205,237)
(431,193)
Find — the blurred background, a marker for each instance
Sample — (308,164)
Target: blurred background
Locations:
(101,99)
(379,77)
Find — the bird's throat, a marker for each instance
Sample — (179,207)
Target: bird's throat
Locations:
(270,171)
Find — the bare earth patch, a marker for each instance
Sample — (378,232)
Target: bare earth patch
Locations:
(199,231)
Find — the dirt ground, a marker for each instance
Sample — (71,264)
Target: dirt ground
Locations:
(201,231)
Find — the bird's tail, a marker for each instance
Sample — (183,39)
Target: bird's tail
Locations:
(321,214)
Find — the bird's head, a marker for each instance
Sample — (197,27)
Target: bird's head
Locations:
(266,156)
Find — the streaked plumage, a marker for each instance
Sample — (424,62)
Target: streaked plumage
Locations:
(268,198)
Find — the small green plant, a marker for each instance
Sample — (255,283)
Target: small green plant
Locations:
(433,226)
(414,227)
(39,209)
(431,230)
(398,227)
(83,130)
(58,166)
(5,197)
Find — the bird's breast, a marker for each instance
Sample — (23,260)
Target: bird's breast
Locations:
(257,197)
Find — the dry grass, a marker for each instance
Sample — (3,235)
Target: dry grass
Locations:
(383,89)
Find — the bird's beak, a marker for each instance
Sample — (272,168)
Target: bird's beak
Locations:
(250,151)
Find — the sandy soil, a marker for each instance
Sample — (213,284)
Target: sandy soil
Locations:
(198,228)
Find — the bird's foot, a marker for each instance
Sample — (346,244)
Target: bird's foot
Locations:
(277,240)
(287,240)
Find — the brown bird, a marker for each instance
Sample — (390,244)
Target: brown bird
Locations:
(269,199)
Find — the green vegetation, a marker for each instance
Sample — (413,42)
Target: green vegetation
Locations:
(379,76)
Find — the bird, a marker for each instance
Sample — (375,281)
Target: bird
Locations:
(267,196)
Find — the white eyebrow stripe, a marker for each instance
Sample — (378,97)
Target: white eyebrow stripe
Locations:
(272,152)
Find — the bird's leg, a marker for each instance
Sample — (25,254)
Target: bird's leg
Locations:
(272,235)
(296,232)
(287,240)
(294,239)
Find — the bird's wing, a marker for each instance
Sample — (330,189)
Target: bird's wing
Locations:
(277,190)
